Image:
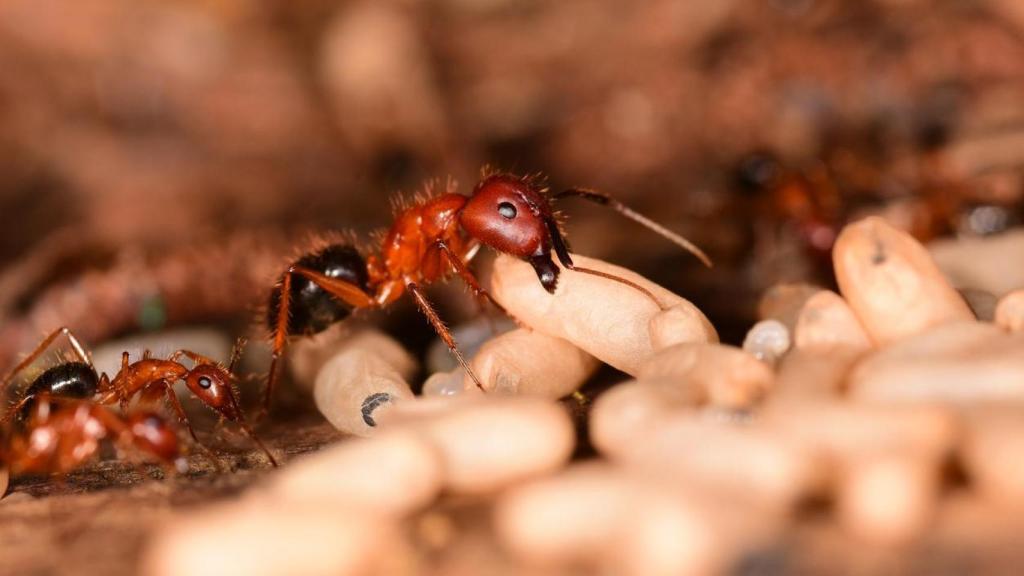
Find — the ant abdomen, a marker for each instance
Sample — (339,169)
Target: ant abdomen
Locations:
(68,380)
(311,308)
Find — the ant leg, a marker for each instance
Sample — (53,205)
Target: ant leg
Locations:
(122,395)
(256,440)
(606,200)
(167,390)
(18,407)
(280,338)
(236,354)
(42,347)
(441,329)
(236,409)
(197,359)
(344,291)
(467,275)
(179,410)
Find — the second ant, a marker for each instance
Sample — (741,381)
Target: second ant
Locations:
(149,380)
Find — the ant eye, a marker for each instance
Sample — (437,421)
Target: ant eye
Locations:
(205,382)
(507,210)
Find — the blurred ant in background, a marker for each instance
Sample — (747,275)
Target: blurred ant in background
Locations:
(148,379)
(816,201)
(432,238)
(59,434)
(807,201)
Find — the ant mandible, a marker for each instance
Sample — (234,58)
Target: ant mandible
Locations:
(149,379)
(430,240)
(60,434)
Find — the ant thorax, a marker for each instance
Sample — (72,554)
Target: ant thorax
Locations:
(413,250)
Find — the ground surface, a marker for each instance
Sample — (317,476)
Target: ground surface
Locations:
(98,519)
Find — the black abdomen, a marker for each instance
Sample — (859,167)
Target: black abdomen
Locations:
(68,380)
(311,308)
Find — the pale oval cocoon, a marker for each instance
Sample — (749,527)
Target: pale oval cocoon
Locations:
(783,302)
(599,517)
(308,355)
(891,282)
(986,263)
(574,517)
(816,374)
(448,384)
(728,376)
(355,387)
(621,413)
(745,459)
(681,324)
(258,538)
(665,536)
(391,473)
(531,363)
(964,362)
(991,452)
(1010,311)
(826,321)
(606,318)
(767,341)
(888,498)
(845,431)
(488,442)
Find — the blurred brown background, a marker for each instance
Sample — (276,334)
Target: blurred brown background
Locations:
(188,145)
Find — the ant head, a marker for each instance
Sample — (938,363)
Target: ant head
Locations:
(154,435)
(511,215)
(212,385)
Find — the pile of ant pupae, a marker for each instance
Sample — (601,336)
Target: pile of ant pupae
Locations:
(855,399)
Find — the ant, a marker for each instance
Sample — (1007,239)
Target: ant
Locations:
(434,237)
(149,379)
(60,434)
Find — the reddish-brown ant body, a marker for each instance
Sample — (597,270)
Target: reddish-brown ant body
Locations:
(148,379)
(58,435)
(429,241)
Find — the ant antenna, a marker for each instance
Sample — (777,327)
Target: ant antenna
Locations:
(236,354)
(249,431)
(629,283)
(606,200)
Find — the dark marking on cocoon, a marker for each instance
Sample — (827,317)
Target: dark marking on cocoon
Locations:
(879,257)
(371,403)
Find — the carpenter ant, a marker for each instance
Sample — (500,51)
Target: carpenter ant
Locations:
(60,434)
(430,240)
(149,379)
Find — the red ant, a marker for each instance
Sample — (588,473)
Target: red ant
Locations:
(60,434)
(431,239)
(149,379)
